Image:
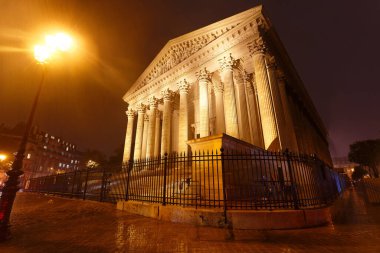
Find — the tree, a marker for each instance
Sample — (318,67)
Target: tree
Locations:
(94,158)
(366,153)
(359,173)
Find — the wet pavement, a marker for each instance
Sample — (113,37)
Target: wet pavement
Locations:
(52,224)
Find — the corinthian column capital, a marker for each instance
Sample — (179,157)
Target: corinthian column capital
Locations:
(250,82)
(257,46)
(167,94)
(146,117)
(248,77)
(141,108)
(183,86)
(153,102)
(203,75)
(130,113)
(239,77)
(228,62)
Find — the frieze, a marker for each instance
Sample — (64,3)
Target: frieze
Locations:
(179,52)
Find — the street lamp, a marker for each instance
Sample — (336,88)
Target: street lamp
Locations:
(3,157)
(59,42)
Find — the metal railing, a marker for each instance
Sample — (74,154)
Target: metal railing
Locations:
(371,187)
(251,179)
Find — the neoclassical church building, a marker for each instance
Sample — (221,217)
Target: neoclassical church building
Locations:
(232,77)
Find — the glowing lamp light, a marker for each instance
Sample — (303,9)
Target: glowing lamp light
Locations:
(42,53)
(59,42)
(2,157)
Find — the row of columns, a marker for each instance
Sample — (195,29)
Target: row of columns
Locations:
(254,101)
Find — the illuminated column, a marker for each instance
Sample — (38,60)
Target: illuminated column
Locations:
(267,113)
(139,130)
(204,118)
(220,123)
(145,136)
(288,117)
(128,136)
(254,112)
(183,135)
(242,112)
(157,138)
(153,103)
(277,104)
(166,121)
(230,114)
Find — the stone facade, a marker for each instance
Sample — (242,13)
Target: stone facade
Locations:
(232,77)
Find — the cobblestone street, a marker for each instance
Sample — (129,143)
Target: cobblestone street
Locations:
(53,224)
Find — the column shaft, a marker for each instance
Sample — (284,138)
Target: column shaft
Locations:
(241,103)
(288,116)
(230,112)
(268,119)
(183,135)
(153,103)
(129,136)
(254,113)
(166,121)
(145,136)
(204,117)
(157,134)
(151,133)
(139,131)
(220,121)
(277,104)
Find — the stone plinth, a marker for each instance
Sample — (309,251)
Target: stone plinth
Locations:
(207,183)
(216,142)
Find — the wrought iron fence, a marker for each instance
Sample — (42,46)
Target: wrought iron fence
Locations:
(371,189)
(251,179)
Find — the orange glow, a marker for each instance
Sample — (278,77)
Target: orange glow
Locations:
(59,42)
(2,157)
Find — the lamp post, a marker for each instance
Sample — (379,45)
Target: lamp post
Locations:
(42,53)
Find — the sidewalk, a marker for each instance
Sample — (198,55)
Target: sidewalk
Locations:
(53,224)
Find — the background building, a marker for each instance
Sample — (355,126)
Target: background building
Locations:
(45,154)
(233,77)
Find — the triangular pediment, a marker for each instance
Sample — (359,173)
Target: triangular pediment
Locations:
(181,48)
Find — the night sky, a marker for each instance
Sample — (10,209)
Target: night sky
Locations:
(334,45)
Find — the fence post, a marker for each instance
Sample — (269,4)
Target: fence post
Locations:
(165,171)
(224,186)
(129,169)
(103,186)
(292,182)
(72,187)
(85,185)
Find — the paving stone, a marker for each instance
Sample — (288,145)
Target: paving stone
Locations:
(42,223)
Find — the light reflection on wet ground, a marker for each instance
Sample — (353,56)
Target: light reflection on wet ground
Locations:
(77,226)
